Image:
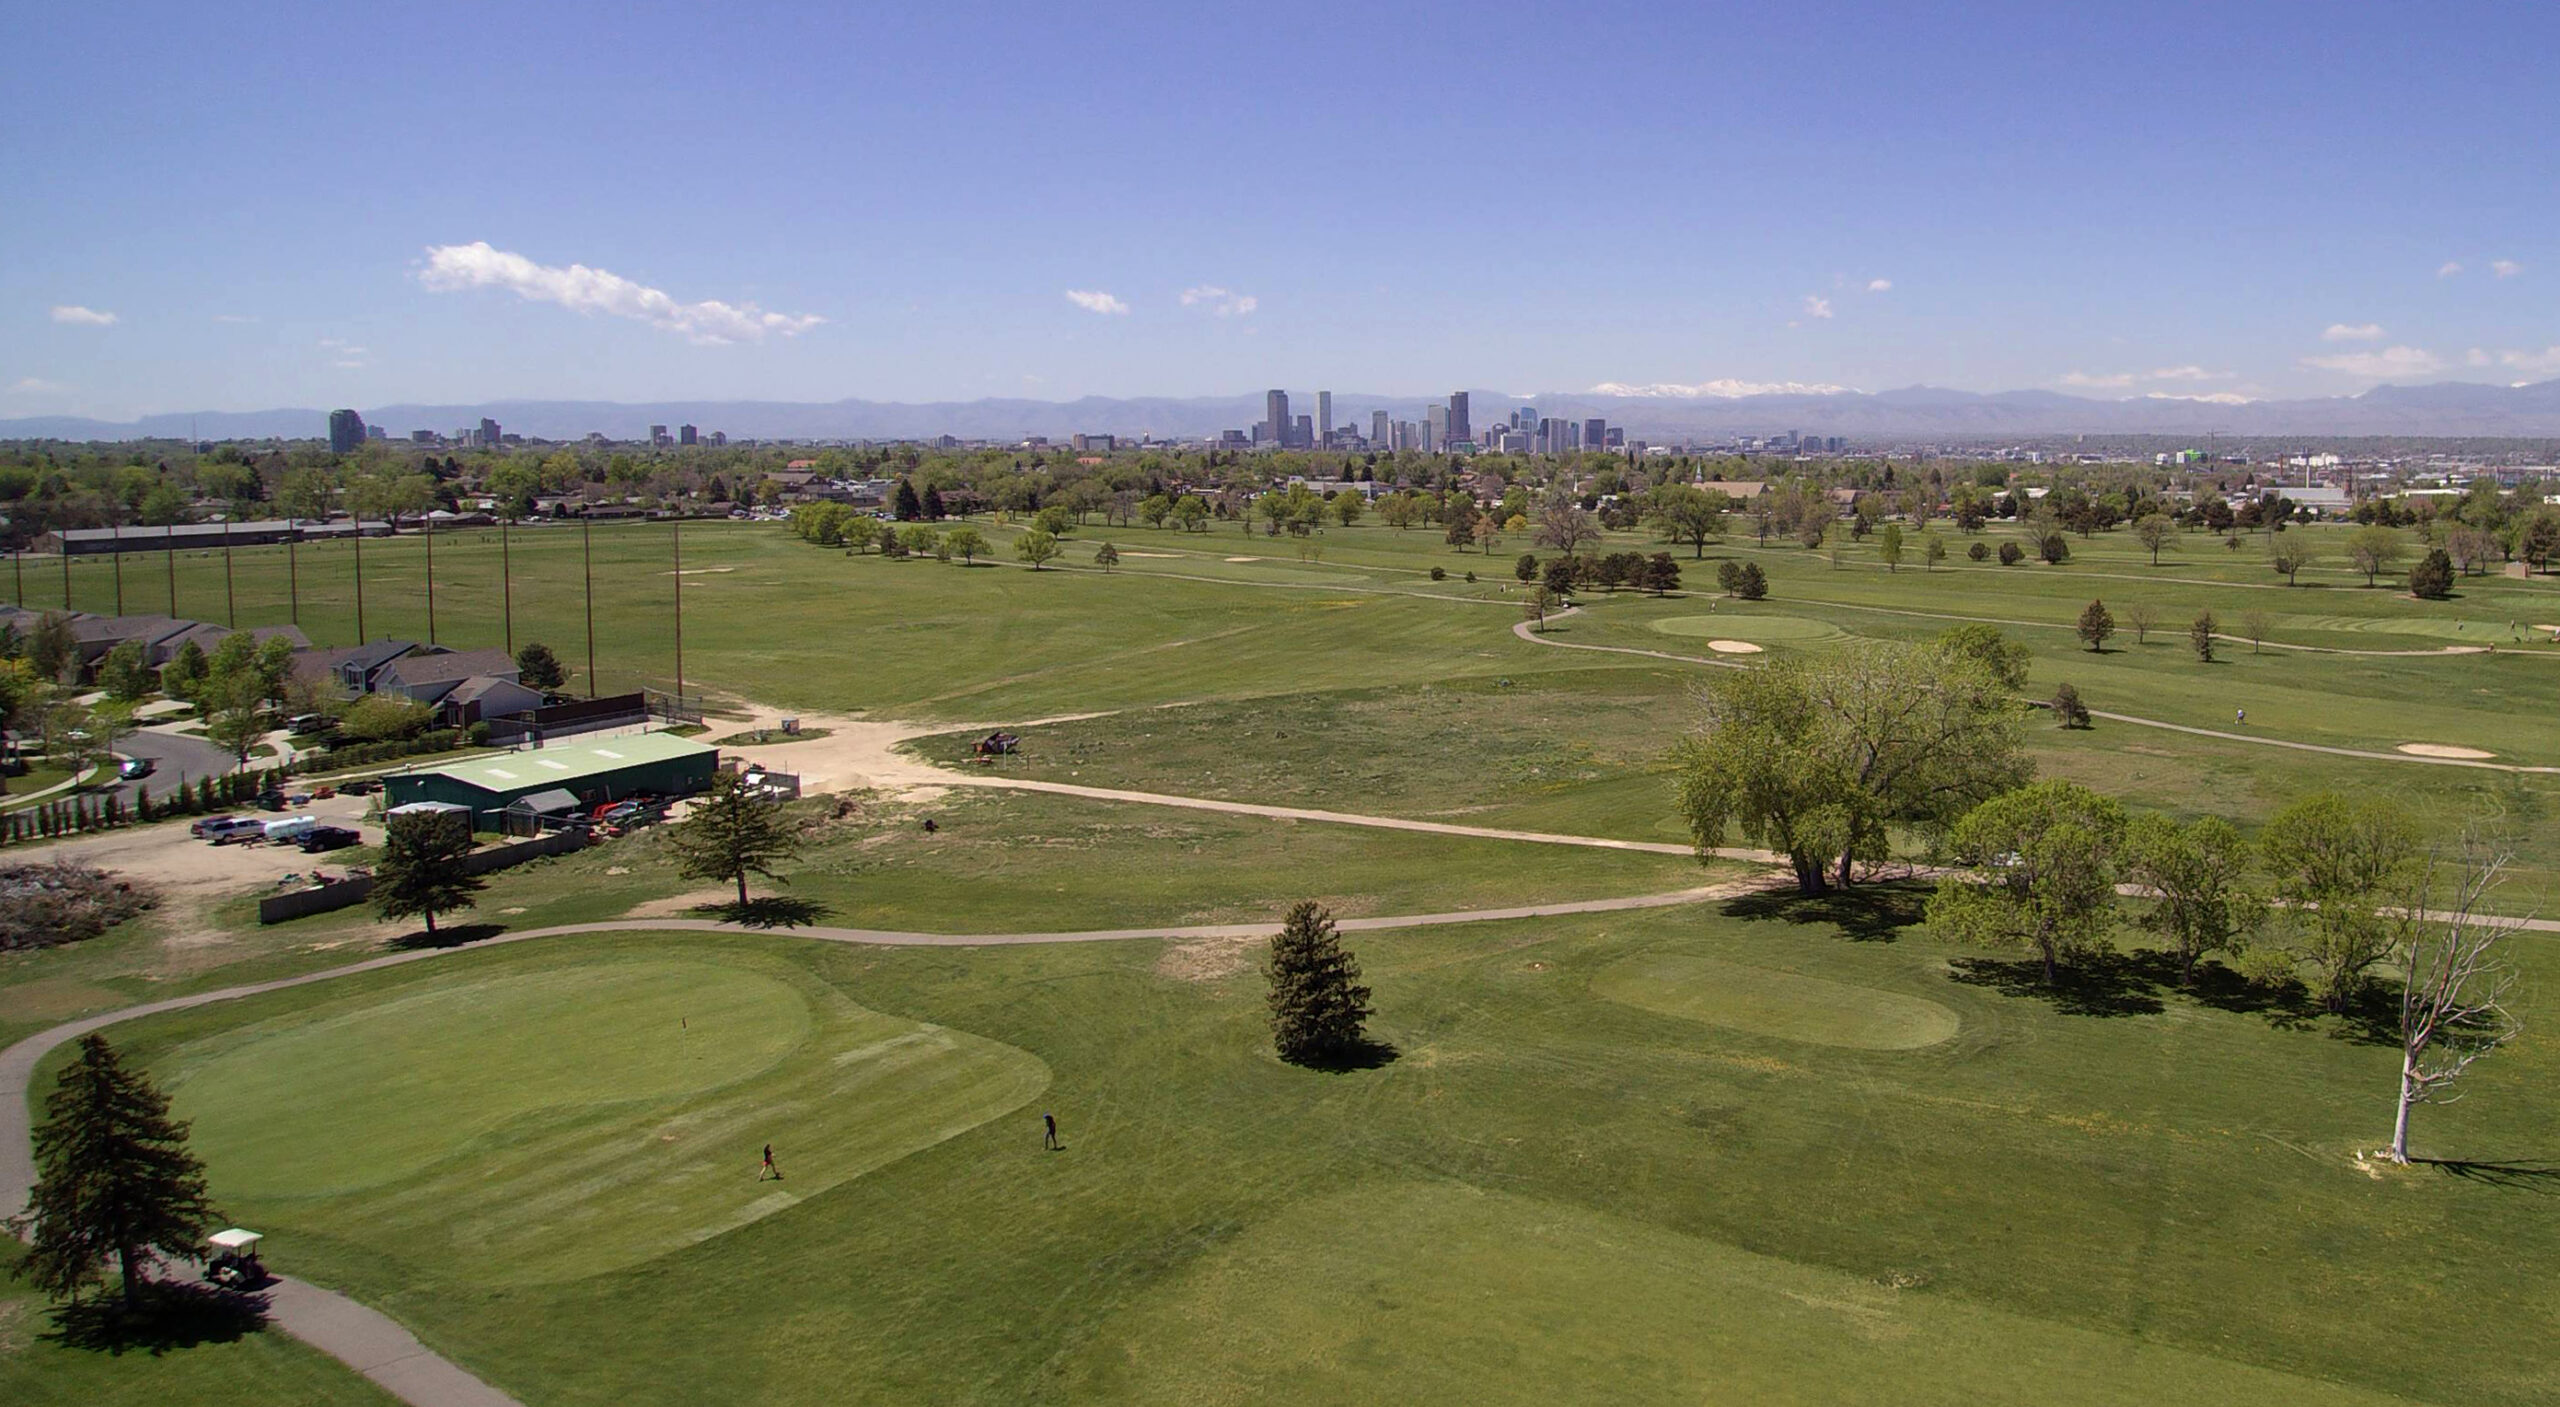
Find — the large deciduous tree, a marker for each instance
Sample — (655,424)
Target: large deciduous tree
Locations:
(114,1180)
(2332,862)
(2197,876)
(2040,873)
(1820,759)
(1318,1006)
(1686,513)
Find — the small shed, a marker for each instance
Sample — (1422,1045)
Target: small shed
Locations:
(531,815)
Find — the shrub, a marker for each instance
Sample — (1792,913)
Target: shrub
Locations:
(1980,552)
(2011,554)
(1439,573)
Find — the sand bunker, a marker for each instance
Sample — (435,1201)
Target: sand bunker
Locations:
(2468,754)
(1244,559)
(1733,647)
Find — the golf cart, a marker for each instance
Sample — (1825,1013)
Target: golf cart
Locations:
(233,1264)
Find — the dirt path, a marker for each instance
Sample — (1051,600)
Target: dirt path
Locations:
(377,1346)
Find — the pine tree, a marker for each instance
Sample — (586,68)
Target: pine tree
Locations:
(731,834)
(538,668)
(934,507)
(113,1179)
(1317,1002)
(906,505)
(421,869)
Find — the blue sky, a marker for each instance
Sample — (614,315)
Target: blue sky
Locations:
(287,205)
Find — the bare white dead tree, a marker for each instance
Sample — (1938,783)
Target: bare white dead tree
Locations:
(2454,984)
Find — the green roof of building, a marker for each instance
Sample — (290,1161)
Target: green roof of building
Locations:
(565,763)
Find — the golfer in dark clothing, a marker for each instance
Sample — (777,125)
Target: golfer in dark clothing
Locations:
(1049,1132)
(768,1170)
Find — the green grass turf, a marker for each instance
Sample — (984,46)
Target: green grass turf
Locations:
(2082,1197)
(576,1114)
(1762,1001)
(38,1369)
(1444,1293)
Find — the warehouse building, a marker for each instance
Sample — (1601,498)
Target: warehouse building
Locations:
(609,769)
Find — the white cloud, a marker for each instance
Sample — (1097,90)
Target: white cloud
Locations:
(231,317)
(83,317)
(2448,268)
(2211,398)
(38,386)
(1219,301)
(2387,364)
(2505,268)
(344,354)
(1722,390)
(2477,357)
(1879,285)
(2543,363)
(1095,301)
(455,267)
(2353,332)
(2118,380)
(1816,307)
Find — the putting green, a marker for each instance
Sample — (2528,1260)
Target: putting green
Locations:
(1757,629)
(1443,1293)
(2451,630)
(557,1119)
(1763,1002)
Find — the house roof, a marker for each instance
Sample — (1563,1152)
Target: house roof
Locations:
(450,664)
(564,765)
(147,629)
(480,685)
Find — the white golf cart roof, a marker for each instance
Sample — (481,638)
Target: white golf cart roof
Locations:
(235,1239)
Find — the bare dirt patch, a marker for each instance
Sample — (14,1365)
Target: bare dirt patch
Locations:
(1208,959)
(680,905)
(2468,754)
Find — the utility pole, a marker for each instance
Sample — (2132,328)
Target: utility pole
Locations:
(506,587)
(428,527)
(230,597)
(359,541)
(678,539)
(115,535)
(173,571)
(587,541)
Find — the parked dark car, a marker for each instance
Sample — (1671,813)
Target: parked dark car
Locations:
(361,786)
(329,838)
(271,801)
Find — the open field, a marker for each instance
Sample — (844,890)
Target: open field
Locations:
(2062,1200)
(1748,1151)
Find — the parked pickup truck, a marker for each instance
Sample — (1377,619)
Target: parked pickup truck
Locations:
(324,838)
(224,830)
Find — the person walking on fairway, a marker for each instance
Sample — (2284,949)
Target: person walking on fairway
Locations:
(1049,1133)
(2239,716)
(768,1170)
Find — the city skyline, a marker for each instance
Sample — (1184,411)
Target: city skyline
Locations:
(1763,201)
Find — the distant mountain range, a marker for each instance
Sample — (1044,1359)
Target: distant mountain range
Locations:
(1716,410)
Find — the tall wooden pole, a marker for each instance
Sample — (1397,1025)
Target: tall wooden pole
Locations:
(678,541)
(115,534)
(428,526)
(359,525)
(230,596)
(587,541)
(66,574)
(506,586)
(173,571)
(18,574)
(293,571)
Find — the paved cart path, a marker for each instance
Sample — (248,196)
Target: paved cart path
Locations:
(377,1346)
